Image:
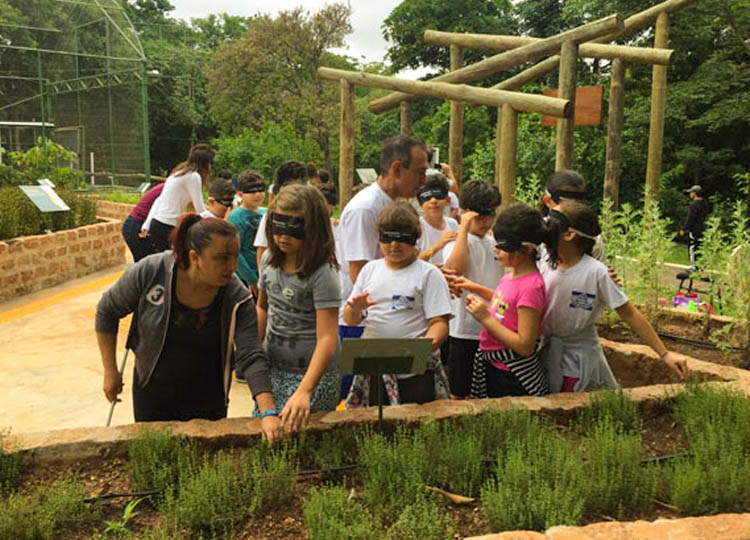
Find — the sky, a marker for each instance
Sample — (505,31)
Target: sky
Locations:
(367,17)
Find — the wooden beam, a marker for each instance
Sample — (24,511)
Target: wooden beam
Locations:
(566,90)
(456,132)
(614,132)
(658,104)
(551,106)
(508,150)
(509,59)
(346,143)
(639,55)
(406,120)
(498,148)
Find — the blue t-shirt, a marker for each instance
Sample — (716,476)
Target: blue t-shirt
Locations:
(246,222)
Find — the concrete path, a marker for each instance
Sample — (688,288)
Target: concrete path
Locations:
(50,363)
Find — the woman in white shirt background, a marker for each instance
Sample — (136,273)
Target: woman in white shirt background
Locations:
(183,185)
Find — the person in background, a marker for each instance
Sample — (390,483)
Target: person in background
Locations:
(183,185)
(246,218)
(695,221)
(472,256)
(400,296)
(453,207)
(324,176)
(226,174)
(313,176)
(299,295)
(220,199)
(289,172)
(437,230)
(194,321)
(140,247)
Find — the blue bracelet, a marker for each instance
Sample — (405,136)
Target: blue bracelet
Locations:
(269,412)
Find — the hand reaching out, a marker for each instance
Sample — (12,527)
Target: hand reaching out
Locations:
(360,302)
(677,365)
(477,308)
(447,236)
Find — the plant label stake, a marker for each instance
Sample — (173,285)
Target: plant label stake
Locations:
(377,357)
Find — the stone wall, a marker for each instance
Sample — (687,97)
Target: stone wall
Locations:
(113,210)
(32,263)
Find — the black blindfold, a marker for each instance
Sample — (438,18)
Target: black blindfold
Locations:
(288,225)
(410,237)
(432,193)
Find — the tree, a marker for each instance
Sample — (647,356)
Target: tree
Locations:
(271,75)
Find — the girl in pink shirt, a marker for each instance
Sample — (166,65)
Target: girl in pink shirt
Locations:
(507,362)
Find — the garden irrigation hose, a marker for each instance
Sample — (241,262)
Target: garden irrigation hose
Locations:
(696,342)
(107,496)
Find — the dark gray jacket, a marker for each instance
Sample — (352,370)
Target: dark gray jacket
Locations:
(145,290)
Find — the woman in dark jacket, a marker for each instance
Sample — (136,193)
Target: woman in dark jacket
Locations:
(194,322)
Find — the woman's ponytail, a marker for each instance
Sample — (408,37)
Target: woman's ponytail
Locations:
(180,241)
(196,233)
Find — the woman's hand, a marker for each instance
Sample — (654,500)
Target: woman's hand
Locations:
(676,364)
(272,430)
(477,308)
(143,233)
(360,302)
(112,385)
(296,411)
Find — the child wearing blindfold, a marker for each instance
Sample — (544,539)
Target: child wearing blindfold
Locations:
(437,230)
(246,218)
(400,296)
(299,295)
(578,289)
(507,362)
(220,199)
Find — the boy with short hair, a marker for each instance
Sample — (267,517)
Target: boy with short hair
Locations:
(246,218)
(400,296)
(472,257)
(437,230)
(220,199)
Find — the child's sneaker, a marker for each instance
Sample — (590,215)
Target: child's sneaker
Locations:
(239,378)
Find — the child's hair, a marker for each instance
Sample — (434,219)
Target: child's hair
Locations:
(200,159)
(319,244)
(436,180)
(479,196)
(221,188)
(247,179)
(563,181)
(196,233)
(522,223)
(225,173)
(582,219)
(312,170)
(288,172)
(329,192)
(399,216)
(324,176)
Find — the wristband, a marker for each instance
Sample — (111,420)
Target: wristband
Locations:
(269,412)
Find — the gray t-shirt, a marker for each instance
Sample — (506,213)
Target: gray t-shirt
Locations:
(292,301)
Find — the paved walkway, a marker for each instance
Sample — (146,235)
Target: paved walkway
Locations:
(50,363)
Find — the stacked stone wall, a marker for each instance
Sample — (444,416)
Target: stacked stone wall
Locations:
(113,210)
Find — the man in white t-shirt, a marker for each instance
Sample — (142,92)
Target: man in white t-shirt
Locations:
(403,163)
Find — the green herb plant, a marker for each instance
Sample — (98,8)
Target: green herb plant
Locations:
(329,513)
(120,528)
(423,519)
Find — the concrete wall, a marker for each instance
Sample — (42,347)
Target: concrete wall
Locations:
(32,263)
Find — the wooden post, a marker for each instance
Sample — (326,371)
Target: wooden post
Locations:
(498,146)
(614,132)
(405,108)
(346,143)
(456,133)
(508,149)
(658,103)
(566,90)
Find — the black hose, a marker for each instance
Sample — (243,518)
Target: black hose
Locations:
(695,342)
(122,495)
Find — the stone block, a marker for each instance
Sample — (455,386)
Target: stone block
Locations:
(50,254)
(62,251)
(74,248)
(98,243)
(82,232)
(8,264)
(3,249)
(27,276)
(15,247)
(30,243)
(85,245)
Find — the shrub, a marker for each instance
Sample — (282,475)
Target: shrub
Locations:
(496,430)
(330,449)
(615,479)
(51,161)
(537,485)
(9,176)
(421,520)
(46,513)
(155,459)
(272,474)
(119,197)
(12,466)
(609,407)
(329,514)
(715,477)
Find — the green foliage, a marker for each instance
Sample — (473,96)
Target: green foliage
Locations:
(265,149)
(538,483)
(609,407)
(329,449)
(52,161)
(121,527)
(423,519)
(330,514)
(496,430)
(715,477)
(47,512)
(119,197)
(20,217)
(453,457)
(529,190)
(156,458)
(9,176)
(12,466)
(272,475)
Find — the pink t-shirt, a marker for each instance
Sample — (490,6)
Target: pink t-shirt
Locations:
(512,293)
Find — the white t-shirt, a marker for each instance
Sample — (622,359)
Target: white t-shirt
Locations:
(430,235)
(177,193)
(359,231)
(345,277)
(405,299)
(453,204)
(484,269)
(577,296)
(260,236)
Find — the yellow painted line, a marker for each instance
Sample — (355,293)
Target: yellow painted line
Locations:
(37,305)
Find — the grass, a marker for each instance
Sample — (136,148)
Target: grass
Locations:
(126,197)
(12,467)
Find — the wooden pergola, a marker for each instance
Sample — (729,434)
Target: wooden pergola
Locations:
(589,41)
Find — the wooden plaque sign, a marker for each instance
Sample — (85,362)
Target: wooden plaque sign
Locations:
(588,106)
